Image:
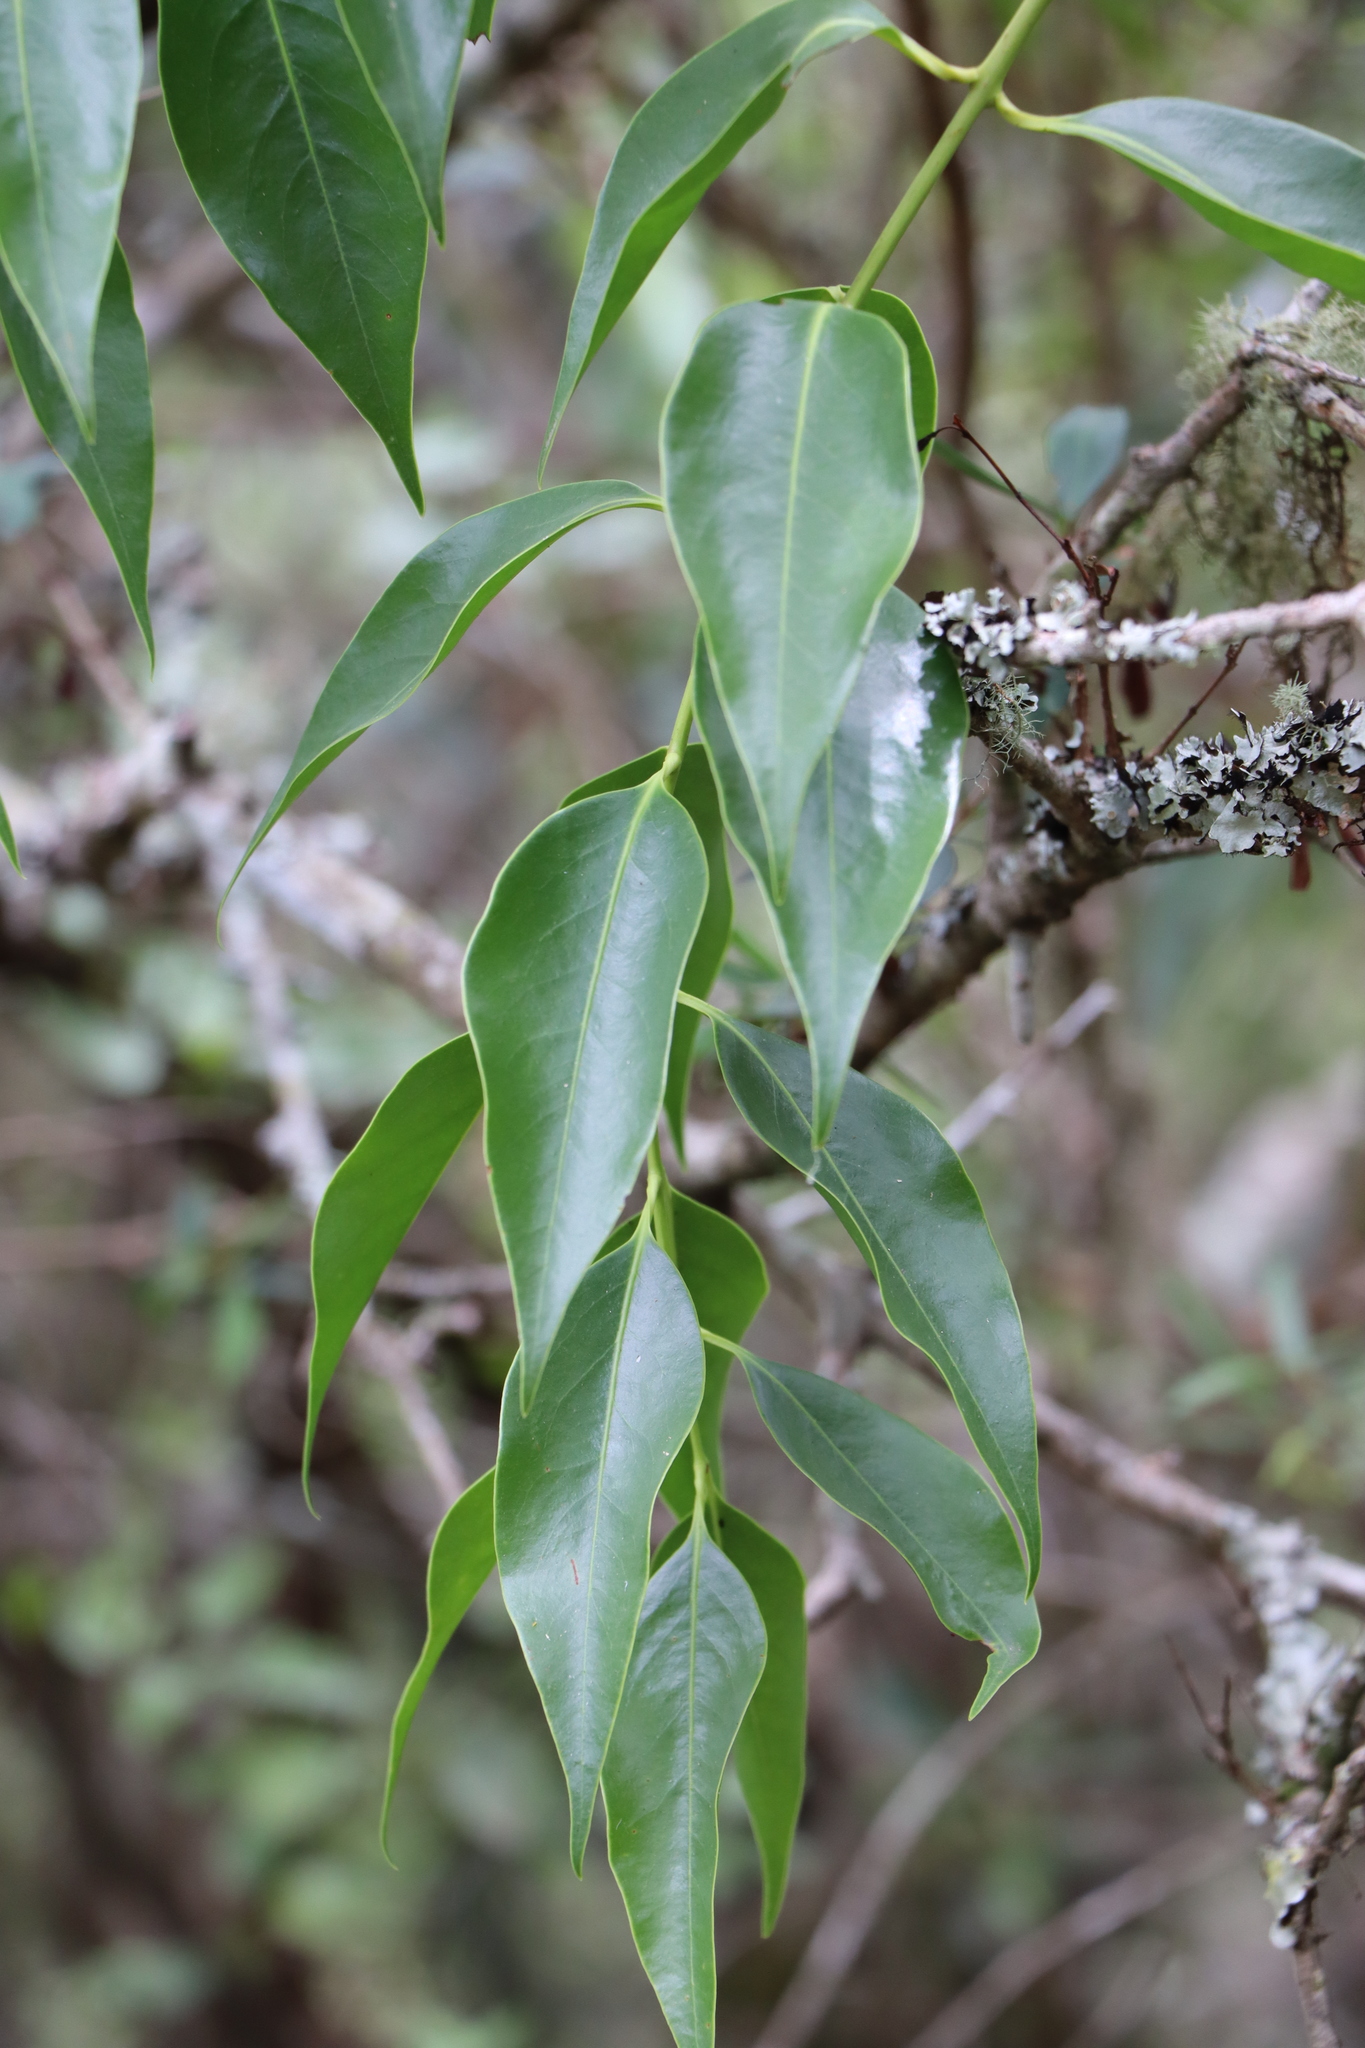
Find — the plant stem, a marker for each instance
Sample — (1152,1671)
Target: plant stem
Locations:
(990,78)
(682,726)
(660,1201)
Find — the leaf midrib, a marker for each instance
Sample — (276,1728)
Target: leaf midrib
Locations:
(822,314)
(40,201)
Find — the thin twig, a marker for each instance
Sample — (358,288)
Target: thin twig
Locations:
(96,658)
(1234,656)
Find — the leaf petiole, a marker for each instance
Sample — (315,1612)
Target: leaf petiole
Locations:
(677,745)
(952,74)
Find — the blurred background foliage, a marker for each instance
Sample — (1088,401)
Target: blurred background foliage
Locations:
(196,1678)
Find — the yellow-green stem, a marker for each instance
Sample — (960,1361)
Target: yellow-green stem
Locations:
(677,745)
(989,79)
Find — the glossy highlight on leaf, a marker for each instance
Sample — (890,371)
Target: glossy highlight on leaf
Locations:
(569,987)
(793,495)
(462,1556)
(879,807)
(678,144)
(374,1198)
(576,1484)
(770,1749)
(115,471)
(902,1194)
(70,71)
(297,167)
(699,1654)
(898,317)
(411,54)
(925,1500)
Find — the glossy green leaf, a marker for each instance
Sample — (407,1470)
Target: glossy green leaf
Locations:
(462,1556)
(296,165)
(70,71)
(1291,193)
(901,1192)
(678,144)
(425,610)
(411,55)
(698,1656)
(878,810)
(576,1483)
(792,489)
(925,1500)
(374,1198)
(695,790)
(898,316)
(115,470)
(7,840)
(569,987)
(725,1275)
(770,1749)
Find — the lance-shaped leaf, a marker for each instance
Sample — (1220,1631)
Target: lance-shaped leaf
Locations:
(879,807)
(925,1500)
(115,470)
(898,316)
(695,790)
(427,608)
(724,1273)
(678,144)
(569,987)
(576,1484)
(698,1656)
(462,1556)
(296,165)
(411,56)
(374,1198)
(902,1194)
(792,489)
(70,71)
(1291,193)
(770,1749)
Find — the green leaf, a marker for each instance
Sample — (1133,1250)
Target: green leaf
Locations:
(725,1275)
(7,840)
(695,790)
(481,19)
(70,71)
(577,1481)
(1083,447)
(1291,193)
(898,316)
(428,607)
(115,470)
(770,1749)
(678,145)
(296,165)
(901,1193)
(792,489)
(374,1198)
(925,1500)
(698,1656)
(462,1556)
(878,810)
(411,55)
(569,987)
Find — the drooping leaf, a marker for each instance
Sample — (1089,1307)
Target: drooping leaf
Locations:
(678,144)
(424,611)
(902,1194)
(725,1275)
(1083,447)
(1288,191)
(569,987)
(898,316)
(695,790)
(7,840)
(411,55)
(698,1656)
(925,1500)
(297,167)
(792,489)
(462,1556)
(576,1483)
(70,71)
(115,470)
(770,1749)
(374,1197)
(879,807)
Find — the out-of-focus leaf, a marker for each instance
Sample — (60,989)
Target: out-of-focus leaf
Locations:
(898,316)
(569,987)
(1083,447)
(374,1197)
(725,1275)
(115,469)
(576,1484)
(7,840)
(903,1196)
(925,1500)
(879,807)
(792,489)
(411,55)
(462,1556)
(770,1749)
(698,1655)
(296,165)
(70,71)
(481,19)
